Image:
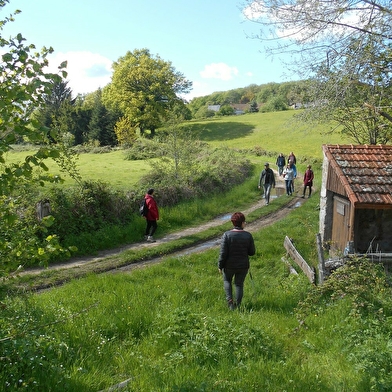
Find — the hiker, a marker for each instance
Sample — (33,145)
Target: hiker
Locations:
(236,247)
(292,158)
(281,163)
(152,215)
(308,180)
(267,179)
(288,175)
(294,174)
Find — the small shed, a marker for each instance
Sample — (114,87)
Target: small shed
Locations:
(356,199)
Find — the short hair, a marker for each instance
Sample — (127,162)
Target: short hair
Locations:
(237,218)
(150,191)
(309,166)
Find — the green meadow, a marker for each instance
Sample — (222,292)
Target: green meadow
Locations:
(166,327)
(265,133)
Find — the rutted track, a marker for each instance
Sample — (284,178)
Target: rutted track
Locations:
(80,263)
(262,222)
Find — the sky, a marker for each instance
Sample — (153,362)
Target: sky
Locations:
(206,40)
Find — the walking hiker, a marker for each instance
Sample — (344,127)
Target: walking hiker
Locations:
(288,175)
(292,158)
(267,179)
(281,163)
(294,174)
(308,180)
(236,247)
(152,215)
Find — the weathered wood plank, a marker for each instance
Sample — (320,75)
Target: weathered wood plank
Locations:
(308,271)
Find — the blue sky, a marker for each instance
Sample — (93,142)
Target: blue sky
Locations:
(205,40)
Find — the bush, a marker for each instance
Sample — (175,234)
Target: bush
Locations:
(89,207)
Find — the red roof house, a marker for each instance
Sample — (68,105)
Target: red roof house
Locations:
(356,199)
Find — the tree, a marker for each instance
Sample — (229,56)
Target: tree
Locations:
(253,107)
(101,125)
(327,40)
(23,87)
(358,95)
(226,110)
(60,94)
(145,88)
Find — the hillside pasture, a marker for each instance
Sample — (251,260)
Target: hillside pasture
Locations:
(274,132)
(256,134)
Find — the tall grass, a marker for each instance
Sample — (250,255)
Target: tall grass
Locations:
(167,328)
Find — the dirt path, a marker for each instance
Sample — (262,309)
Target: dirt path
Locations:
(80,262)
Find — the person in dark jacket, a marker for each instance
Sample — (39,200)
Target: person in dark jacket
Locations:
(267,179)
(237,245)
(152,215)
(281,163)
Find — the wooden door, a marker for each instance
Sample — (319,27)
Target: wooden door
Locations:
(340,223)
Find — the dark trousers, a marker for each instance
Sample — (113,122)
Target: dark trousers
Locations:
(310,189)
(151,227)
(239,278)
(289,190)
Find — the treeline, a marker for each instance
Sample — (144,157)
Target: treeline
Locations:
(270,97)
(89,121)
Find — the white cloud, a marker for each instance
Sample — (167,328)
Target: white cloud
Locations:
(218,71)
(259,11)
(86,71)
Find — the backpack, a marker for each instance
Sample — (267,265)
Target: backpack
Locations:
(143,210)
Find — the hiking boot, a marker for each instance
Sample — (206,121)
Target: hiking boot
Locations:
(145,237)
(231,304)
(150,239)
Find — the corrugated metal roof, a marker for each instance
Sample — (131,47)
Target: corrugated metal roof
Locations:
(365,170)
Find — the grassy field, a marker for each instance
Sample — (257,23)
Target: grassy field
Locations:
(271,132)
(167,327)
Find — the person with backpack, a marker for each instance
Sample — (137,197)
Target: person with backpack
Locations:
(151,216)
(233,263)
(267,179)
(308,180)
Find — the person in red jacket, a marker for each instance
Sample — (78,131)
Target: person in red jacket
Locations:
(308,180)
(152,215)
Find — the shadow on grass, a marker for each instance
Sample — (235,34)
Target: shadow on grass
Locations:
(215,131)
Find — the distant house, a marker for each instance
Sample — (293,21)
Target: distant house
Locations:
(239,108)
(356,199)
(214,108)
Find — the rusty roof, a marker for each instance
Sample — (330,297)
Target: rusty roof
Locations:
(365,172)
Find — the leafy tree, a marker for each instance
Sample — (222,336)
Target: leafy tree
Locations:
(125,132)
(23,88)
(231,96)
(267,91)
(204,112)
(226,110)
(145,88)
(329,42)
(274,104)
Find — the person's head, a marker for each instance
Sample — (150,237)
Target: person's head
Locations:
(150,191)
(237,219)
(266,165)
(309,166)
